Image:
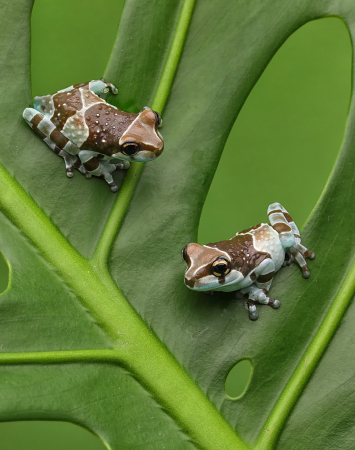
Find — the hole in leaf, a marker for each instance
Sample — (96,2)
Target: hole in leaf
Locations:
(287,136)
(40,435)
(238,379)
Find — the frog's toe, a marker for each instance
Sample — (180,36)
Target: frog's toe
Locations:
(114,187)
(88,175)
(275,304)
(306,273)
(123,165)
(310,255)
(70,173)
(253,315)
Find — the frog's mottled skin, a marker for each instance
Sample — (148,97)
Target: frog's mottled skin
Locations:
(92,135)
(248,261)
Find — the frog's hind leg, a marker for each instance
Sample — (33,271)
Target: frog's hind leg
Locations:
(55,140)
(290,236)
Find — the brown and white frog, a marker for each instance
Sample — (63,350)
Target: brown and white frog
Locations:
(90,134)
(247,262)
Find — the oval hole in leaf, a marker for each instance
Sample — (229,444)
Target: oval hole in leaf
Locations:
(287,136)
(41,435)
(238,379)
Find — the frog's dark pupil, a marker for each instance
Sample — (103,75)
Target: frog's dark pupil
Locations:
(220,267)
(130,149)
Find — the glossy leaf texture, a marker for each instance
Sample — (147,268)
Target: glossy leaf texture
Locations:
(144,364)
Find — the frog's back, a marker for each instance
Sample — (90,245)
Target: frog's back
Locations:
(266,239)
(62,105)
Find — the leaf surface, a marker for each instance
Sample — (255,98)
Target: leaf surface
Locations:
(97,327)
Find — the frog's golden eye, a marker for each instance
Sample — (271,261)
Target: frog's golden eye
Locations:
(159,119)
(184,254)
(221,267)
(130,148)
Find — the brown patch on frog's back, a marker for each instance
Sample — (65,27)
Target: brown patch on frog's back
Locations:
(89,98)
(251,228)
(81,85)
(66,104)
(244,257)
(106,125)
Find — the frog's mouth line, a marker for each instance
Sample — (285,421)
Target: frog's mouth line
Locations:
(213,286)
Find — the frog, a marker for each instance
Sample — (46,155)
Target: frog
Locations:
(247,262)
(91,135)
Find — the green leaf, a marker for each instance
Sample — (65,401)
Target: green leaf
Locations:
(97,327)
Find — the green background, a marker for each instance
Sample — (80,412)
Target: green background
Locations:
(281,148)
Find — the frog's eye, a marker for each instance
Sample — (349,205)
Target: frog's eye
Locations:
(184,254)
(130,148)
(221,267)
(159,119)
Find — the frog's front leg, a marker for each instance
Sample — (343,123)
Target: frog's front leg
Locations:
(55,140)
(101,87)
(257,291)
(104,169)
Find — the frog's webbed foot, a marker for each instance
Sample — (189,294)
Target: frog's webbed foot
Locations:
(103,169)
(71,161)
(299,253)
(257,295)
